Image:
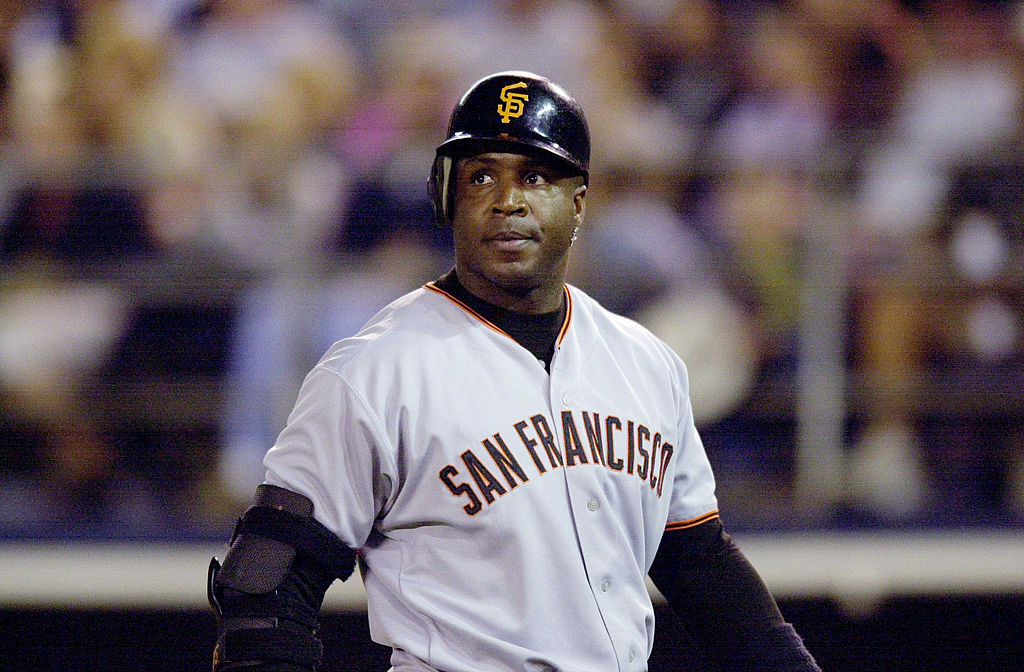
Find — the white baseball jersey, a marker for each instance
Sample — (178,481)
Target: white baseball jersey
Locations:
(505,517)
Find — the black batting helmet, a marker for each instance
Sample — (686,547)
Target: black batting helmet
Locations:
(512,111)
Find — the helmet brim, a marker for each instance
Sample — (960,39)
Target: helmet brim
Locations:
(459,147)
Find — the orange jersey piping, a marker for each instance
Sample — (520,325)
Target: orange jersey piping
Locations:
(568,317)
(692,522)
(490,325)
(487,323)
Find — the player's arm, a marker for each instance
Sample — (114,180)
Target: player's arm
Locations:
(268,593)
(724,604)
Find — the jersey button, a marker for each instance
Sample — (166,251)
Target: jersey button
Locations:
(632,655)
(593,505)
(566,400)
(605,585)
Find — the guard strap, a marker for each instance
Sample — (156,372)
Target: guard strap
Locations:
(268,644)
(269,610)
(306,535)
(278,528)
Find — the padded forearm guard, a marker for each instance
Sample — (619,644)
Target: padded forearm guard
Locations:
(268,593)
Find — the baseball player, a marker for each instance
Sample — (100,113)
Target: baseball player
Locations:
(505,459)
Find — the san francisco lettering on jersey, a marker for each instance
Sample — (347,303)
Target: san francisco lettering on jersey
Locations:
(484,475)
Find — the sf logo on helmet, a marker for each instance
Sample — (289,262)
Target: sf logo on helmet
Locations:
(512,107)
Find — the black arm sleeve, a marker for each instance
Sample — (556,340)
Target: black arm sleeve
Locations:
(723,603)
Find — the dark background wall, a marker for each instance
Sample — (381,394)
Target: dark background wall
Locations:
(901,635)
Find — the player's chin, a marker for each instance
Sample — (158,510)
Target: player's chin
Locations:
(518,274)
(502,262)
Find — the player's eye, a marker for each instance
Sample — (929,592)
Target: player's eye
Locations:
(535,177)
(480,177)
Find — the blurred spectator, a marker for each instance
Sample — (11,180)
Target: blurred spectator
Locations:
(367,24)
(68,474)
(690,58)
(277,81)
(960,104)
(39,115)
(81,490)
(867,49)
(86,83)
(389,141)
(59,231)
(10,13)
(639,254)
(762,128)
(754,220)
(777,113)
(970,330)
(287,323)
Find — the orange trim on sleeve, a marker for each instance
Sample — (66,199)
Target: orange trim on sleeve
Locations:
(692,522)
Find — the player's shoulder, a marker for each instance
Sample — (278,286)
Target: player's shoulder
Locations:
(597,329)
(392,325)
(407,323)
(591,315)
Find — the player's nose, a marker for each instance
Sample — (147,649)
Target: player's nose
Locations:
(509,199)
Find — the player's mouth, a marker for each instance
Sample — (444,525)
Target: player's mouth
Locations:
(510,241)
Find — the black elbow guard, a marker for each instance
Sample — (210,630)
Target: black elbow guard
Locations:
(268,593)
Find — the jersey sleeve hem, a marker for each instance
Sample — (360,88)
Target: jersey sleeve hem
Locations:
(692,522)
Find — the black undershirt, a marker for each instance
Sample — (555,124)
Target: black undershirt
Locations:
(537,333)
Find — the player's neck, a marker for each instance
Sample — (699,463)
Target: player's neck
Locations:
(535,332)
(545,298)
(453,283)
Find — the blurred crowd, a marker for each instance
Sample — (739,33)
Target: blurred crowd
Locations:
(818,203)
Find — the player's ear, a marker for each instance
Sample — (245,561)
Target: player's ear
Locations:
(579,200)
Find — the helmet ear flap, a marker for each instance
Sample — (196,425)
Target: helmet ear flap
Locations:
(440,190)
